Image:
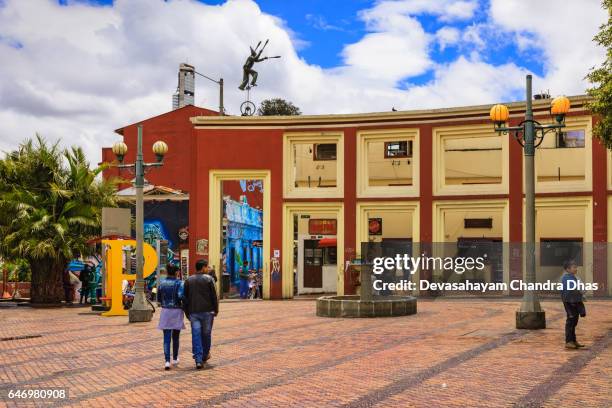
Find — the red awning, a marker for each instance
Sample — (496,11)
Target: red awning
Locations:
(328,242)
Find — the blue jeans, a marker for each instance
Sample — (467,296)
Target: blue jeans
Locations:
(201,334)
(174,336)
(244,288)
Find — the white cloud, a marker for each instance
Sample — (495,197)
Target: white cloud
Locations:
(447,36)
(445,10)
(83,71)
(398,48)
(563,30)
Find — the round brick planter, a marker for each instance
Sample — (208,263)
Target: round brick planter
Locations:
(353,306)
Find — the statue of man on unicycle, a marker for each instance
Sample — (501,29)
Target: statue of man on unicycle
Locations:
(247,68)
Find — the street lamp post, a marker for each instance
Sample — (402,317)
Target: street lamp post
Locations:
(530,134)
(220,83)
(140,311)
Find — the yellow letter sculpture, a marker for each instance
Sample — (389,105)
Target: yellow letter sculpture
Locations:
(114,276)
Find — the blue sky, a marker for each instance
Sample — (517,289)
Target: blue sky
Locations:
(84,68)
(325,27)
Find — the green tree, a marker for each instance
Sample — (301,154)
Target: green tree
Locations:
(277,107)
(601,78)
(50,206)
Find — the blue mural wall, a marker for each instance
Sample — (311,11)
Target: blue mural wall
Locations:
(243,237)
(163,219)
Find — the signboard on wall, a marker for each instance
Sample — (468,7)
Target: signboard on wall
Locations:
(184,263)
(116,221)
(202,247)
(375,226)
(322,226)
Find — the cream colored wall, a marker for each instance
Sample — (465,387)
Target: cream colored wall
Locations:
(376,175)
(454,224)
(574,163)
(550,160)
(305,166)
(564,218)
(454,229)
(394,225)
(299,144)
(483,164)
(448,226)
(548,226)
(560,223)
(382,171)
(470,171)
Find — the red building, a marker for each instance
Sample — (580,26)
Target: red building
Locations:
(425,176)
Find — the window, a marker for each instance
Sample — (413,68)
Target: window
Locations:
(562,157)
(555,251)
(330,256)
(390,163)
(324,151)
(473,160)
(313,165)
(398,149)
(571,138)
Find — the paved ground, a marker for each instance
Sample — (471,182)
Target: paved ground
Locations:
(278,354)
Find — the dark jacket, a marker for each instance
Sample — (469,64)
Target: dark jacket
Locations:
(569,295)
(85,275)
(171,293)
(200,294)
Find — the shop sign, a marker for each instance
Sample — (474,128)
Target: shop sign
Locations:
(322,226)
(375,226)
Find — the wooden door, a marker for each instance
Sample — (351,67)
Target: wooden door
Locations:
(313,264)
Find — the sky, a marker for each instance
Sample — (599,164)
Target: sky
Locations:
(77,70)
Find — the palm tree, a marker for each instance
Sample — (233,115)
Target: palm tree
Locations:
(50,206)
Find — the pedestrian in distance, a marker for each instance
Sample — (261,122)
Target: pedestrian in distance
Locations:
(85,278)
(244,276)
(68,290)
(259,280)
(572,302)
(201,306)
(212,273)
(170,293)
(74,285)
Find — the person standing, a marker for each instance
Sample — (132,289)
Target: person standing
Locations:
(213,274)
(68,291)
(74,285)
(201,306)
(259,280)
(572,302)
(85,277)
(244,280)
(170,293)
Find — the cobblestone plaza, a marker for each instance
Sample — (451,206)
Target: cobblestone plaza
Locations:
(277,354)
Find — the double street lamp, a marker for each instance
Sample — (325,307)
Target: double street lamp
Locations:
(530,134)
(140,311)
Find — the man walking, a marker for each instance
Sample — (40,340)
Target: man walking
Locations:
(201,306)
(572,301)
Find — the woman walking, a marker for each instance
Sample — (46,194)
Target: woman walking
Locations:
(171,317)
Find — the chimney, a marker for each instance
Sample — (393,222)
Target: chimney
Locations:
(185,91)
